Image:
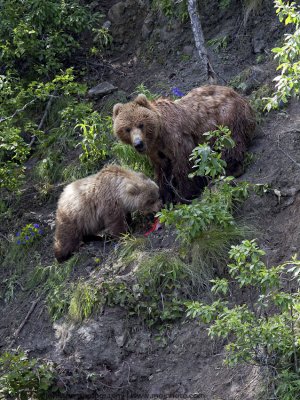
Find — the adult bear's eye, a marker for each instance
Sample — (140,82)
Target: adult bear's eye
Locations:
(127,130)
(141,126)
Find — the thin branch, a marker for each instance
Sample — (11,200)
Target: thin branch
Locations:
(288,156)
(17,332)
(18,110)
(4,237)
(47,109)
(169,183)
(285,153)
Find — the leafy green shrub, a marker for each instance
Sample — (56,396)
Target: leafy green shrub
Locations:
(64,135)
(37,37)
(13,153)
(118,293)
(51,280)
(18,256)
(142,89)
(218,43)
(207,157)
(23,378)
(262,332)
(96,140)
(288,82)
(215,207)
(287,385)
(19,114)
(258,102)
(172,9)
(224,4)
(160,284)
(49,170)
(206,228)
(101,40)
(157,296)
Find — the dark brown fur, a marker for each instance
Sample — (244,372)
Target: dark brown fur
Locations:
(101,202)
(167,131)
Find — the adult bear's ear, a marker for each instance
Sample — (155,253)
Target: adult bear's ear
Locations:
(133,190)
(117,109)
(142,101)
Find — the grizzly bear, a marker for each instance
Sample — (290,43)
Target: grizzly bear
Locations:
(101,202)
(167,131)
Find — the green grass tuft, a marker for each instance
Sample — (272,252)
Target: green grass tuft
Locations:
(209,251)
(84,300)
(130,158)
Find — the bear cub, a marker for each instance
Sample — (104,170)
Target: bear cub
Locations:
(101,202)
(168,131)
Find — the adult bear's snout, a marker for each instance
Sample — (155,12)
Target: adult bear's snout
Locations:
(139,145)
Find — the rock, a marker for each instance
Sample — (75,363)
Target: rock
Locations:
(252,79)
(116,12)
(258,45)
(290,192)
(102,89)
(188,50)
(106,25)
(120,340)
(92,342)
(168,33)
(147,27)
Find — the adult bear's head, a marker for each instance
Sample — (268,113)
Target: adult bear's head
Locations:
(137,123)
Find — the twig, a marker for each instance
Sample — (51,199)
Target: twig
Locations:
(17,332)
(285,153)
(288,156)
(169,183)
(4,237)
(43,118)
(18,110)
(20,286)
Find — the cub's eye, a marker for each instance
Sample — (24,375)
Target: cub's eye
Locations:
(127,130)
(141,126)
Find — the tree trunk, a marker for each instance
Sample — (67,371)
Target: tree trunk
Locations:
(199,40)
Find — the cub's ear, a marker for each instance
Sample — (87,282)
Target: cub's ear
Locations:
(133,190)
(142,100)
(117,109)
(142,176)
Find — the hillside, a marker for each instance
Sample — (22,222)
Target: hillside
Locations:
(127,347)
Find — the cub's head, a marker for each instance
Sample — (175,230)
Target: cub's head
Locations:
(136,123)
(142,194)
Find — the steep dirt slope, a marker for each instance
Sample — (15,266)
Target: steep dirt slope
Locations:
(122,357)
(277,162)
(125,357)
(111,354)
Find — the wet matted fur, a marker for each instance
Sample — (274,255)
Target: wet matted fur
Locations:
(167,131)
(101,202)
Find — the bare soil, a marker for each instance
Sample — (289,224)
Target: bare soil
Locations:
(111,355)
